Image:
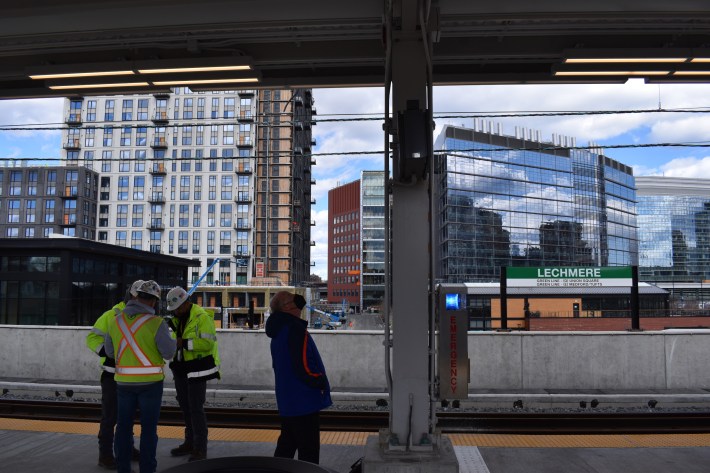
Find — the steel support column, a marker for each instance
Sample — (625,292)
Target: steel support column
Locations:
(410,249)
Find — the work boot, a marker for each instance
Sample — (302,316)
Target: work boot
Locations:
(107,461)
(183,449)
(197,455)
(136,456)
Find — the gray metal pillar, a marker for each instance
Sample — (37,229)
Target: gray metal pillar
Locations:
(411,444)
(410,235)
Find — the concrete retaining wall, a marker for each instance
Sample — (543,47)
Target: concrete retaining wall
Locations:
(514,361)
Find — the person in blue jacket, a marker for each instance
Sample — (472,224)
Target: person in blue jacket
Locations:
(302,388)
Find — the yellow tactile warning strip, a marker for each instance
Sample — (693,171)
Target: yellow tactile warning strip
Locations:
(360,438)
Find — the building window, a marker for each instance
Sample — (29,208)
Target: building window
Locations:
(121,238)
(13,211)
(225,243)
(182,242)
(137,239)
(122,215)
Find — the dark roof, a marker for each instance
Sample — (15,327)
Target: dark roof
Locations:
(89,246)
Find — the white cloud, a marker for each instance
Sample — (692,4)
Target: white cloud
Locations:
(31,112)
(687,167)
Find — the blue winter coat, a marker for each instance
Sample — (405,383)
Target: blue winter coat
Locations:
(301,383)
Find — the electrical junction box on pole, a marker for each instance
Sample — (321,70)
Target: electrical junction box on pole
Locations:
(452,347)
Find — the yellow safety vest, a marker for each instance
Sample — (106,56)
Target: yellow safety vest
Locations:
(137,357)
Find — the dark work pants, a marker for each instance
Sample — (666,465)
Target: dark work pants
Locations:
(191,397)
(302,434)
(109,410)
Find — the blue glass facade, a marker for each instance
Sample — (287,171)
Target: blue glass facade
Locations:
(674,229)
(505,201)
(372,225)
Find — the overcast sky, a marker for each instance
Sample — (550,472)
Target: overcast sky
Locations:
(333,137)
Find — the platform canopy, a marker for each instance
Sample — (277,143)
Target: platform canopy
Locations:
(334,43)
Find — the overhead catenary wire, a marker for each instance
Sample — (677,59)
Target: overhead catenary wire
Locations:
(186,122)
(700,144)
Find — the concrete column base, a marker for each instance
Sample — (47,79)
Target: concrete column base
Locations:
(378,459)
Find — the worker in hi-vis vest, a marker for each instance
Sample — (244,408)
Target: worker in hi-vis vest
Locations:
(195,362)
(140,342)
(95,342)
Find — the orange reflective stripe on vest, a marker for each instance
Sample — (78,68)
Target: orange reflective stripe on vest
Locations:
(130,341)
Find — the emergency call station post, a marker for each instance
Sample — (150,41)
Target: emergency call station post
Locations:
(452,347)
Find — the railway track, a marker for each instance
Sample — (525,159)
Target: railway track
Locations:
(372,421)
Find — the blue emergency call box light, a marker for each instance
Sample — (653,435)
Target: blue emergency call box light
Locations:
(453,301)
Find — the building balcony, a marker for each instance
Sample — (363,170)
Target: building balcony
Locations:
(242,226)
(313,182)
(313,142)
(72,143)
(158,169)
(245,142)
(244,169)
(159,143)
(73,119)
(313,162)
(160,117)
(243,199)
(298,150)
(248,92)
(161,95)
(239,254)
(313,201)
(246,115)
(296,203)
(313,223)
(313,243)
(156,226)
(156,198)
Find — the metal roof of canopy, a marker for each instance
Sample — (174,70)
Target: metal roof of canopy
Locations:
(326,43)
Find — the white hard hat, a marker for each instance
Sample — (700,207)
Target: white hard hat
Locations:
(151,288)
(176,296)
(135,286)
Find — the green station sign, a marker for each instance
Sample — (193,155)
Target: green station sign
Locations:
(572,276)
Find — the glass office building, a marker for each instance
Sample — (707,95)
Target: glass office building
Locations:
(674,229)
(372,225)
(516,201)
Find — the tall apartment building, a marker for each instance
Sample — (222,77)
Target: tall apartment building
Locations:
(516,201)
(38,201)
(344,244)
(674,229)
(188,174)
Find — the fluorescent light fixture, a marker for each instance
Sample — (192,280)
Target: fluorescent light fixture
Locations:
(81,74)
(195,69)
(691,73)
(700,59)
(99,86)
(206,81)
(611,73)
(624,60)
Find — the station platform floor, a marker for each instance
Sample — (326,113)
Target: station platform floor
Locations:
(69,447)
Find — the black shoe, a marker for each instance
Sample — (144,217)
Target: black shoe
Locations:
(183,449)
(197,455)
(107,461)
(136,456)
